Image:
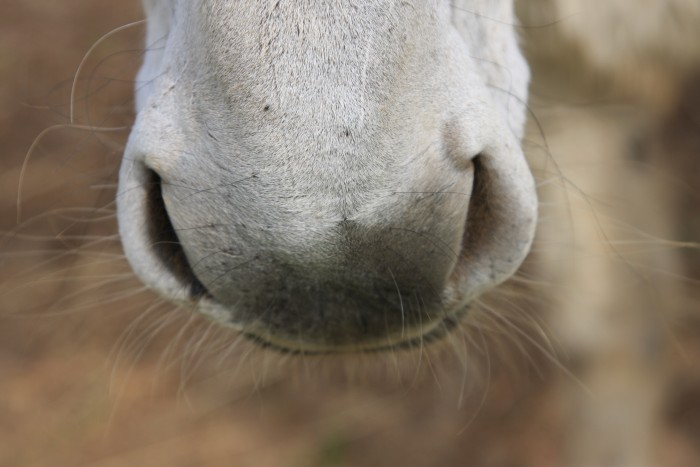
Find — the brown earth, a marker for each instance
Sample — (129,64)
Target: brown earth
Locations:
(96,371)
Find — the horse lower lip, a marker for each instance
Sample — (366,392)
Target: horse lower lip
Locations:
(437,331)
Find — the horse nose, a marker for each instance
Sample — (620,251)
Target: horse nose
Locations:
(401,266)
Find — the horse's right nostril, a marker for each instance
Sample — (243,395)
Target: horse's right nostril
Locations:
(149,239)
(163,238)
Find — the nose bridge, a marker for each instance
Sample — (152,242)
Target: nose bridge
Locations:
(310,59)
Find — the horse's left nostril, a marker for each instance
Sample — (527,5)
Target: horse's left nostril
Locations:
(479,222)
(501,221)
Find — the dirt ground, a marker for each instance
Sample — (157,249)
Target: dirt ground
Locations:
(97,371)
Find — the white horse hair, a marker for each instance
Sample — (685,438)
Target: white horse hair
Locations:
(328,176)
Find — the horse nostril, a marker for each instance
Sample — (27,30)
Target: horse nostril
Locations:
(163,240)
(478,220)
(501,221)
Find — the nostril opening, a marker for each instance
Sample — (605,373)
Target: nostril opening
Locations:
(479,219)
(501,219)
(163,239)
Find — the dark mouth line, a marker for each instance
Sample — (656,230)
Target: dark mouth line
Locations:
(445,327)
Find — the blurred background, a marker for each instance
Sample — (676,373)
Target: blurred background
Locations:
(596,356)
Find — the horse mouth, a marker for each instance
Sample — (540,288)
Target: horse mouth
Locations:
(433,332)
